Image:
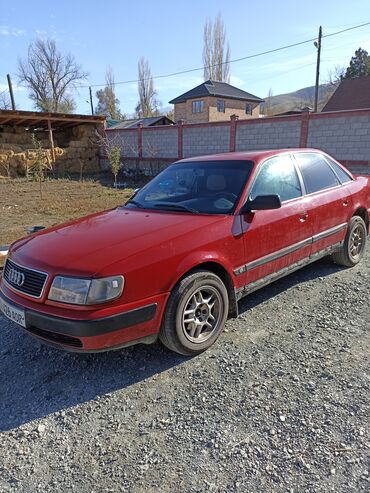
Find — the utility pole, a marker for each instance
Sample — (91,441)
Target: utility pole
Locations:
(11,91)
(91,101)
(318,46)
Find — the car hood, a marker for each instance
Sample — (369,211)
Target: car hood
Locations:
(86,246)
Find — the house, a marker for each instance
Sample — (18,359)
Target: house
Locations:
(215,101)
(153,121)
(351,94)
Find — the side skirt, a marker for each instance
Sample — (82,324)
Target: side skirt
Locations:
(264,281)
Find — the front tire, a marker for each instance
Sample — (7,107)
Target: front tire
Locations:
(196,313)
(354,244)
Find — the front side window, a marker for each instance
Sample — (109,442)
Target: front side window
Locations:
(277,176)
(206,187)
(316,172)
(198,106)
(248,109)
(220,106)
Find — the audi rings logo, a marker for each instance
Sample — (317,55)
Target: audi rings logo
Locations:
(16,277)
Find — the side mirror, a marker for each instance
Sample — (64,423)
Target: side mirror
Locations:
(261,203)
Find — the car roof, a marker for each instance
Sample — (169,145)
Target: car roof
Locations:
(248,155)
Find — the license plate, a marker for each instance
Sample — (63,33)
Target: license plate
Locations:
(14,314)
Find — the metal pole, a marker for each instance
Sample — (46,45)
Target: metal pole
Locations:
(11,91)
(318,46)
(91,102)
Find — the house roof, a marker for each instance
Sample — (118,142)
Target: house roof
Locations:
(351,94)
(40,119)
(218,89)
(294,112)
(146,122)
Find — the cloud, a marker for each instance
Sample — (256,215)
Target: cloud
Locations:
(180,83)
(4,87)
(40,32)
(11,31)
(236,81)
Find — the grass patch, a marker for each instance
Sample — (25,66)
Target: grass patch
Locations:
(21,206)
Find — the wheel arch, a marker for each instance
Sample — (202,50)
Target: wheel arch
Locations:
(224,275)
(362,212)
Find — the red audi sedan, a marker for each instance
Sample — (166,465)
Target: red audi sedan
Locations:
(174,260)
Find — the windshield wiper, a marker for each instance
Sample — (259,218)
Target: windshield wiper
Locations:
(175,207)
(134,202)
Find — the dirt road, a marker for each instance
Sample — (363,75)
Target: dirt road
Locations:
(279,404)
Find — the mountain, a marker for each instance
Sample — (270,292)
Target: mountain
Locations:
(297,100)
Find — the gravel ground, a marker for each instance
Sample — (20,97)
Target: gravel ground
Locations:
(279,404)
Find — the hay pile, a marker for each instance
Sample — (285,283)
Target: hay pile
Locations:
(75,151)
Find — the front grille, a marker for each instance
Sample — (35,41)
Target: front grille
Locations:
(55,337)
(24,280)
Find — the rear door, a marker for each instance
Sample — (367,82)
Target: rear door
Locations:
(329,202)
(276,239)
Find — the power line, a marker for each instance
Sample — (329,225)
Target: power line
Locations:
(235,60)
(248,57)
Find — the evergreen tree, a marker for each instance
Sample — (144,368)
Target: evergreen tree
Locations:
(108,104)
(359,65)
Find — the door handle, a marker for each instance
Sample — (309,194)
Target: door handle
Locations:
(345,202)
(303,216)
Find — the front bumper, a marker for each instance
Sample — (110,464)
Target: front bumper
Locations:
(138,325)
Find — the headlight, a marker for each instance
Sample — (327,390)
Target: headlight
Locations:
(86,291)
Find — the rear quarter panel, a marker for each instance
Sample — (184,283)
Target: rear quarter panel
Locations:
(360,191)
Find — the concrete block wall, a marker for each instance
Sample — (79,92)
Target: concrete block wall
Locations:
(345,137)
(127,140)
(344,134)
(267,134)
(160,142)
(205,139)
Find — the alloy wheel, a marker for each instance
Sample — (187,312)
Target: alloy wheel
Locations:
(356,241)
(202,314)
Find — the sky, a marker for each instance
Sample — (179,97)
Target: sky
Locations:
(170,35)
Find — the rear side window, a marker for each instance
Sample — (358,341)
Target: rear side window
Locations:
(277,176)
(316,172)
(341,174)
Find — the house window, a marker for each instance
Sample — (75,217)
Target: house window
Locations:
(220,106)
(248,109)
(197,106)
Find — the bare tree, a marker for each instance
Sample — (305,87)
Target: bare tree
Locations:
(5,103)
(50,76)
(216,54)
(148,104)
(268,111)
(335,76)
(108,104)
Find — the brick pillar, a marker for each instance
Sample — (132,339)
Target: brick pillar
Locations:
(305,122)
(180,137)
(233,121)
(140,140)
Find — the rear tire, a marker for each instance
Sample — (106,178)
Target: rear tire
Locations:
(196,313)
(354,244)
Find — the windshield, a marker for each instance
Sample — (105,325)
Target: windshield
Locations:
(207,187)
